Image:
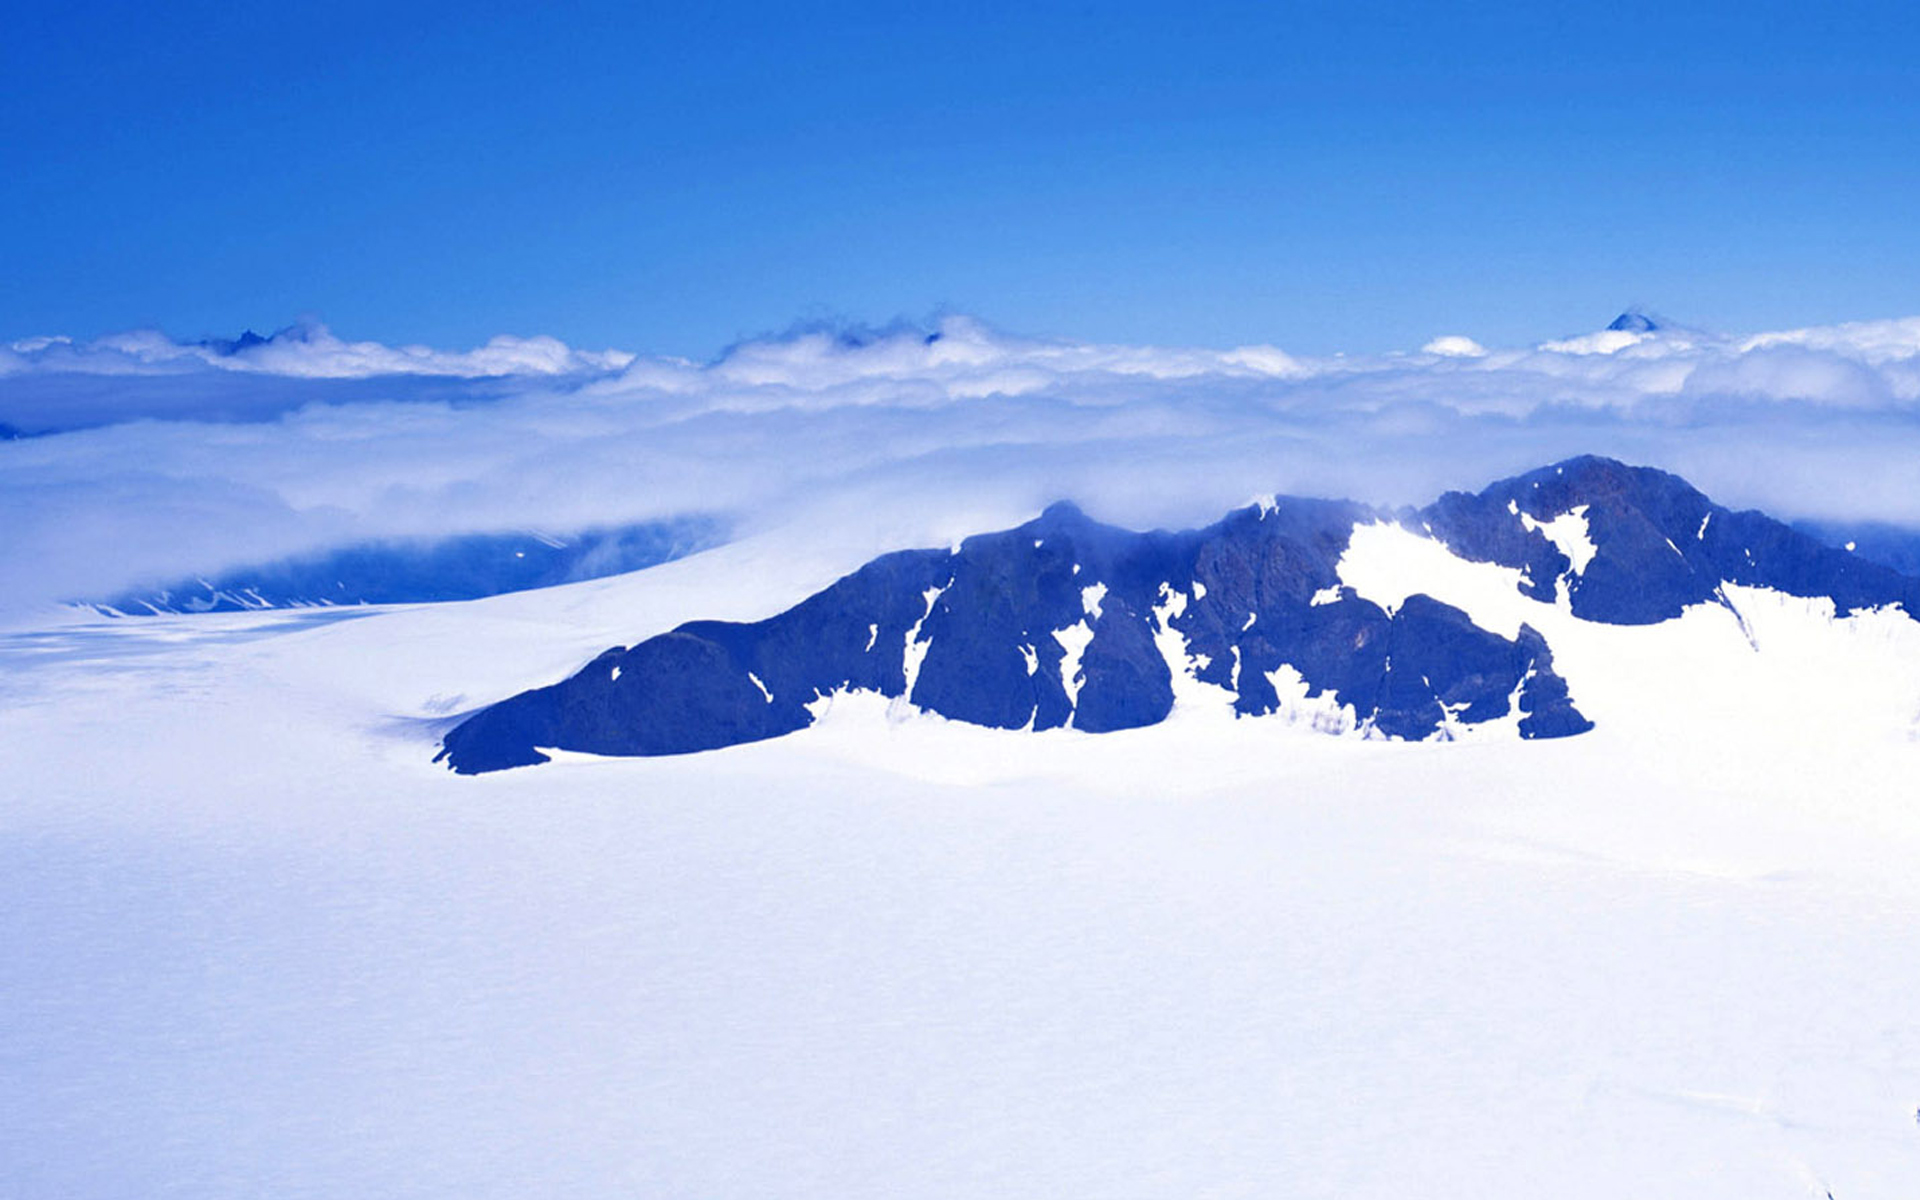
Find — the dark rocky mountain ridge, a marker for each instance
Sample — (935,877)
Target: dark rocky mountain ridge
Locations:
(1064,621)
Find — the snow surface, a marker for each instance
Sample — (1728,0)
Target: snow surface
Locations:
(1091,597)
(1074,640)
(1192,697)
(255,944)
(916,646)
(1569,534)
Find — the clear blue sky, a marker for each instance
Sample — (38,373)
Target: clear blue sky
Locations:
(668,178)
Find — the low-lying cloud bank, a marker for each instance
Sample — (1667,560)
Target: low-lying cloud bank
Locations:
(146,458)
(55,384)
(305,350)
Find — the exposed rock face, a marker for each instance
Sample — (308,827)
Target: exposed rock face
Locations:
(1652,544)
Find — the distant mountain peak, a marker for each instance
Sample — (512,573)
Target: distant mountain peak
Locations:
(228,347)
(1636,320)
(298,333)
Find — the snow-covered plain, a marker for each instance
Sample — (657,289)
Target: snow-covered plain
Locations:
(252,943)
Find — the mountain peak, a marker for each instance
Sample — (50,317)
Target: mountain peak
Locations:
(228,347)
(1636,320)
(1062,513)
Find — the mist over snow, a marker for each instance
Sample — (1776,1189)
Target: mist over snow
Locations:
(141,458)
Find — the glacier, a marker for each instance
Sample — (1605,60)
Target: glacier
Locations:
(257,943)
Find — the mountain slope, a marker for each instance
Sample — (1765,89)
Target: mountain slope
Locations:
(415,571)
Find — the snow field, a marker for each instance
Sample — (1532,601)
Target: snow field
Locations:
(257,944)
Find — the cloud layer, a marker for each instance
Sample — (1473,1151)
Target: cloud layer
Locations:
(155,458)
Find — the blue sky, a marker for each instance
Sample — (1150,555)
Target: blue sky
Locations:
(668,179)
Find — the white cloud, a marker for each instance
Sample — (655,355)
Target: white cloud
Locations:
(177,459)
(306,351)
(1605,341)
(1869,341)
(1453,345)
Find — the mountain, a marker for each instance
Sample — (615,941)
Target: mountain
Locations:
(1633,545)
(1635,321)
(228,347)
(1067,622)
(408,571)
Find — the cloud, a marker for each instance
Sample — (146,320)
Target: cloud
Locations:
(1454,346)
(165,458)
(52,384)
(306,350)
